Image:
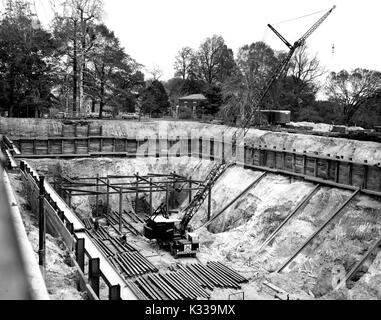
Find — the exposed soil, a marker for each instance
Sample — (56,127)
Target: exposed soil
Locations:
(236,236)
(60,277)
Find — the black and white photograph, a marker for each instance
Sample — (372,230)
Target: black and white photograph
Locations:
(190,158)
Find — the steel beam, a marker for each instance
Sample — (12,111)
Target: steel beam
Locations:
(334,215)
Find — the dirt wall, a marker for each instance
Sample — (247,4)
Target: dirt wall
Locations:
(357,150)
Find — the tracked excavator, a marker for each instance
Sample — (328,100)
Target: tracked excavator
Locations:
(176,234)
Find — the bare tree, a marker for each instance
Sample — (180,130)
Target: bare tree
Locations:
(305,70)
(209,57)
(74,24)
(352,90)
(185,63)
(156,72)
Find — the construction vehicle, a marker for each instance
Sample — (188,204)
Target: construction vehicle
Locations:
(175,233)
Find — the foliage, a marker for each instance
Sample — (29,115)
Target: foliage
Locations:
(352,90)
(185,113)
(26,62)
(155,99)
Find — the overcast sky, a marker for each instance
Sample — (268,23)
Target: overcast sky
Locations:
(153,31)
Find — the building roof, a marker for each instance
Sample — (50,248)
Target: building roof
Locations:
(194,97)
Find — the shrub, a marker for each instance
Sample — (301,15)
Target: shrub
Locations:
(185,113)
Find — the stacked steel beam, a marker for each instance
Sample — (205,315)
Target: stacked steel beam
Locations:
(88,223)
(191,281)
(133,264)
(124,257)
(113,218)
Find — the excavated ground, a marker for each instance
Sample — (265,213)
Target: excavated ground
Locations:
(60,276)
(236,236)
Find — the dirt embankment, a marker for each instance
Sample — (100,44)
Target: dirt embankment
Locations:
(357,150)
(236,236)
(61,277)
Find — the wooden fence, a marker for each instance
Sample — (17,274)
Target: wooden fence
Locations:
(333,168)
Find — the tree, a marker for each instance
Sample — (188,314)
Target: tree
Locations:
(155,99)
(26,64)
(185,63)
(215,60)
(110,72)
(73,28)
(256,62)
(156,72)
(351,90)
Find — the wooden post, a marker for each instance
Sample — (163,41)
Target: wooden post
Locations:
(209,203)
(107,198)
(120,208)
(365,177)
(190,189)
(137,192)
(304,164)
(189,146)
(200,147)
(223,147)
(350,174)
(41,225)
(94,274)
(114,292)
(61,215)
(97,196)
(293,162)
(167,198)
(80,253)
(150,197)
(337,171)
(70,227)
(69,198)
(173,190)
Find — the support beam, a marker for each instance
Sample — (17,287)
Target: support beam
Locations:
(41,225)
(306,243)
(120,209)
(292,213)
(97,196)
(357,266)
(80,253)
(94,274)
(234,200)
(114,292)
(150,197)
(137,193)
(209,203)
(107,199)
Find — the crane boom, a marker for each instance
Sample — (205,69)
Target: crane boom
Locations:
(279,70)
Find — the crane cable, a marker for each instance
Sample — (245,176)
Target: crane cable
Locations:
(301,17)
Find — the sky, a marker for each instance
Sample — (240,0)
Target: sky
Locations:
(153,31)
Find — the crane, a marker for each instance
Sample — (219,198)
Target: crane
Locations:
(279,70)
(174,232)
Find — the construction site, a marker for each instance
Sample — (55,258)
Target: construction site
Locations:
(177,210)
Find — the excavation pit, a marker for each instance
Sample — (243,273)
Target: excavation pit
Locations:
(235,237)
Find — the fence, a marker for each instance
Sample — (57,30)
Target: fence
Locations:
(329,168)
